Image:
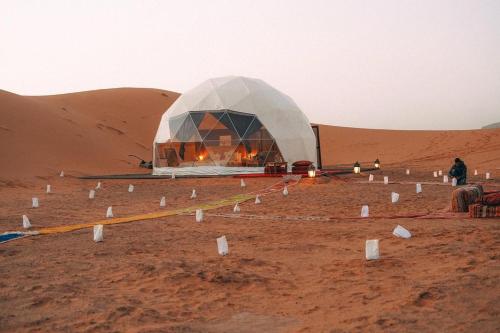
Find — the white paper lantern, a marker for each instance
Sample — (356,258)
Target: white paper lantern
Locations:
(91,194)
(445,179)
(365,211)
(407,171)
(26,222)
(394,197)
(61,174)
(109,212)
(35,203)
(49,189)
(131,188)
(257,199)
(242,183)
(162,202)
(453,181)
(98,186)
(401,232)
(487,175)
(419,188)
(98,233)
(370,178)
(435,174)
(440,172)
(285,191)
(236,208)
(372,249)
(222,246)
(386,180)
(199,215)
(193,194)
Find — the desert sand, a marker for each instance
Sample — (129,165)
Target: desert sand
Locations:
(295,263)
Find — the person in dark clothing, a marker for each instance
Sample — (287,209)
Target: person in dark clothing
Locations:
(459,171)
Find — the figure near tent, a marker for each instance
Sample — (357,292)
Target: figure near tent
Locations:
(459,171)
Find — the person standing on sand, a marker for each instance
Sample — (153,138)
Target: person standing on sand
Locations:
(459,171)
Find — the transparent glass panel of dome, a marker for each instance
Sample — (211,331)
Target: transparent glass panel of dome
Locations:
(246,154)
(197,117)
(241,121)
(187,132)
(221,152)
(223,129)
(274,154)
(254,152)
(203,157)
(257,131)
(208,122)
(175,123)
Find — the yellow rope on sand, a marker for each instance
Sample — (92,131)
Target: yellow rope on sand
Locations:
(208,206)
(239,198)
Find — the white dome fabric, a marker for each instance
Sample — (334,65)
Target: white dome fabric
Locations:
(276,111)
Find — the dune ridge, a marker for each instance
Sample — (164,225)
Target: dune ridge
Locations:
(92,132)
(84,132)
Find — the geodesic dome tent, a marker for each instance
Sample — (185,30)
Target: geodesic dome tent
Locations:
(231,125)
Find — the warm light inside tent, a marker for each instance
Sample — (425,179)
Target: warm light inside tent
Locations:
(377,164)
(357,167)
(200,157)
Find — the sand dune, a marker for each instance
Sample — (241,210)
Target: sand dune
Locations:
(423,149)
(93,132)
(85,132)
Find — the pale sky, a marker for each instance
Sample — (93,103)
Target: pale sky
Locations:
(374,64)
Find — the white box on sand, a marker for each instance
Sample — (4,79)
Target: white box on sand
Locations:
(173,175)
(199,215)
(399,231)
(131,188)
(365,211)
(162,202)
(49,189)
(91,194)
(26,222)
(98,186)
(445,179)
(487,175)
(242,183)
(372,250)
(453,181)
(193,194)
(370,178)
(236,208)
(419,188)
(407,171)
(394,197)
(61,174)
(435,174)
(109,212)
(98,234)
(440,172)
(475,172)
(285,191)
(222,246)
(386,180)
(34,203)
